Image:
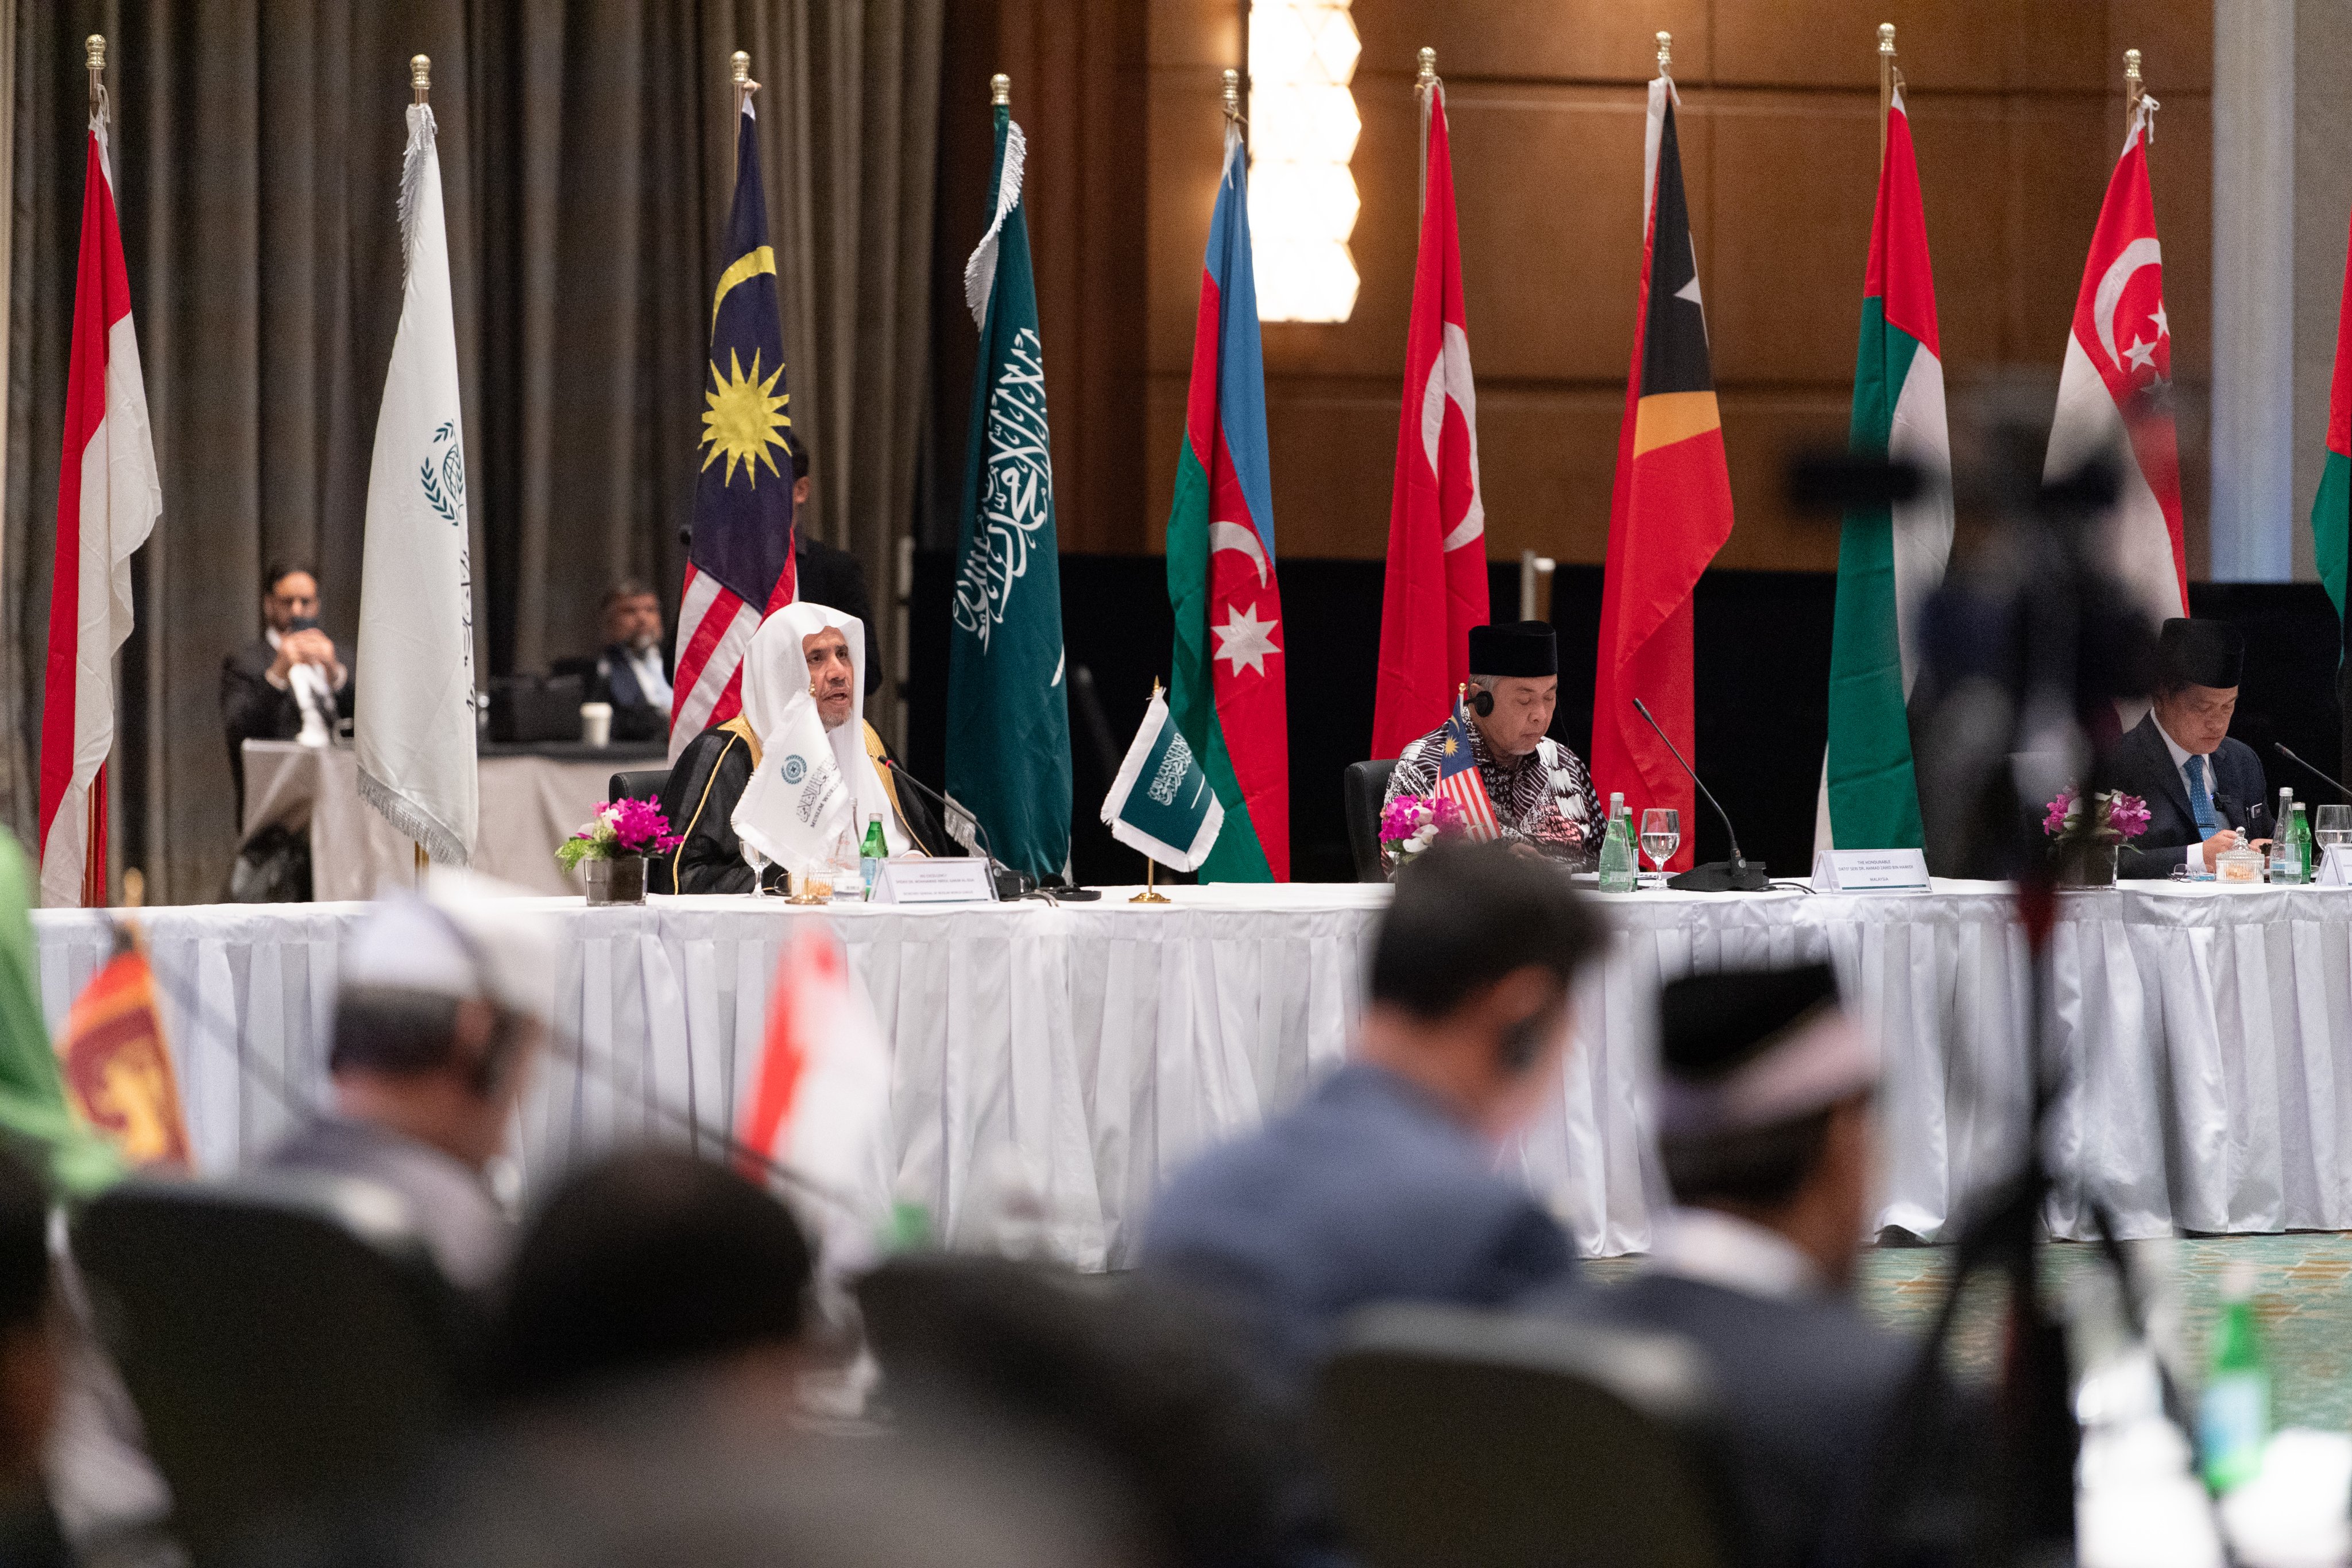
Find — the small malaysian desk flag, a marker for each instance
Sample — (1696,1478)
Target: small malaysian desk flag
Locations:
(1458,780)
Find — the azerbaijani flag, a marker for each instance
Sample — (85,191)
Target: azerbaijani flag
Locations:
(2331,509)
(1889,558)
(1229,701)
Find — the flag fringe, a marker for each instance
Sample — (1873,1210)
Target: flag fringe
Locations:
(980,272)
(412,180)
(410,821)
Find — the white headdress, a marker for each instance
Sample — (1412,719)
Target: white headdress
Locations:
(812,784)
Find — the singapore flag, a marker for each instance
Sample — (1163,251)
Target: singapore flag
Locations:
(2114,393)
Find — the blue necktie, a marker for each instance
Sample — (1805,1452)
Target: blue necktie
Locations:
(2201,804)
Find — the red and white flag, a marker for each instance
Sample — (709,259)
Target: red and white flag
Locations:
(1436,585)
(2115,392)
(820,1107)
(108,500)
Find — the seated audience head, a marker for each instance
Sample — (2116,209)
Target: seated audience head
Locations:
(290,593)
(801,481)
(803,652)
(633,616)
(443,1005)
(1764,1106)
(1470,978)
(1514,683)
(2198,665)
(29,1369)
(649,1260)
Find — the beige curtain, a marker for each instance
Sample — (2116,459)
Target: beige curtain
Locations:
(586,160)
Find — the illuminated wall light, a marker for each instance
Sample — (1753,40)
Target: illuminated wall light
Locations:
(1303,130)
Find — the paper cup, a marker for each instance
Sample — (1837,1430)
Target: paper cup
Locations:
(596,723)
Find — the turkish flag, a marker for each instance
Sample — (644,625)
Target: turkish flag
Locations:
(2114,390)
(1436,585)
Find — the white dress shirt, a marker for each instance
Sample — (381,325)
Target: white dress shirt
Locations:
(645,663)
(1723,1250)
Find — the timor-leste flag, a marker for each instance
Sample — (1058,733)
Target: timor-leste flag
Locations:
(1672,508)
(1225,681)
(2331,509)
(117,1067)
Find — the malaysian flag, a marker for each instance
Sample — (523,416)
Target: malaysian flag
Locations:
(739,569)
(1458,780)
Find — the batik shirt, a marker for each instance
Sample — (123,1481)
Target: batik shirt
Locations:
(1545,796)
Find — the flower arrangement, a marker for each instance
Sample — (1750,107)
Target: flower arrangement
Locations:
(1411,823)
(622,829)
(2114,817)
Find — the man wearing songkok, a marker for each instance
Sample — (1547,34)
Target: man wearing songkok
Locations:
(1381,1184)
(442,1005)
(796,769)
(1540,791)
(1764,1123)
(2205,792)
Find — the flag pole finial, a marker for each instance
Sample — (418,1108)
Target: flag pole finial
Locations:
(1233,95)
(738,72)
(1666,53)
(420,75)
(1887,38)
(1885,82)
(999,90)
(1428,72)
(94,53)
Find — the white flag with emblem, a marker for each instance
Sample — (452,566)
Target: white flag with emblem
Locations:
(414,718)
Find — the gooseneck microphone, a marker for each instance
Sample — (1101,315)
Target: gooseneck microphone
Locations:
(2328,779)
(1009,883)
(1733,875)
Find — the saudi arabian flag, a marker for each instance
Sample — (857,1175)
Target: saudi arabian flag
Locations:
(1008,710)
(1174,816)
(2331,509)
(1889,559)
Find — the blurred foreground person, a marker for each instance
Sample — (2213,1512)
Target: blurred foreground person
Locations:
(1764,1123)
(30,1372)
(650,1260)
(1139,1382)
(1381,1186)
(440,1012)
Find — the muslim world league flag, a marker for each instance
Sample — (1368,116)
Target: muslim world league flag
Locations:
(1008,711)
(1229,702)
(1161,803)
(1888,558)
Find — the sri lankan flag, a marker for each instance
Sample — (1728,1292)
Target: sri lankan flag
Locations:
(1889,558)
(1671,509)
(117,1067)
(2331,509)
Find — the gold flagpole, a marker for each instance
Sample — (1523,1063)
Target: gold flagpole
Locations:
(1233,96)
(1149,866)
(93,867)
(1424,93)
(2134,90)
(1666,55)
(1885,82)
(94,50)
(739,65)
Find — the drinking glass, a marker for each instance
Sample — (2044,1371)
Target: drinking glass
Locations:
(2332,825)
(1662,834)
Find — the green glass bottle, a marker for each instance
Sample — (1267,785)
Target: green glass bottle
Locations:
(873,851)
(1617,867)
(2300,832)
(2233,1420)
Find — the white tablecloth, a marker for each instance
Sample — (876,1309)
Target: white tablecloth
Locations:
(528,806)
(1091,1048)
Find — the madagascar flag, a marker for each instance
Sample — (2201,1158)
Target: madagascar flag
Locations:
(1671,509)
(2331,509)
(1228,698)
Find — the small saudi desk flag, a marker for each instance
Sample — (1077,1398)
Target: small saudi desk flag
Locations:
(1161,803)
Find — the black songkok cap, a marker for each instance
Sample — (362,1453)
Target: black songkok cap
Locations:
(1521,648)
(1710,1026)
(2198,652)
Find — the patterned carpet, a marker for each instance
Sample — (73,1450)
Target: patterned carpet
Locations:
(2303,1300)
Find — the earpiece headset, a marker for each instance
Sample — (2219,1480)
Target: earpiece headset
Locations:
(1482,702)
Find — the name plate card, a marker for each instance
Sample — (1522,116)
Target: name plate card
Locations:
(1870,871)
(2335,867)
(920,879)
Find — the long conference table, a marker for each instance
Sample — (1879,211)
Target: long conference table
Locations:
(2202,1039)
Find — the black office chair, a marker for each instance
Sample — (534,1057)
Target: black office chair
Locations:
(288,1341)
(1455,1437)
(637,784)
(1365,784)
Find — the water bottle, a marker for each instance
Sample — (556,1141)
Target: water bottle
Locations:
(872,852)
(1617,867)
(2233,1418)
(2301,835)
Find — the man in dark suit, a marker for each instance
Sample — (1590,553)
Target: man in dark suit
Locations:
(1381,1186)
(632,670)
(293,682)
(829,576)
(2205,792)
(1764,1123)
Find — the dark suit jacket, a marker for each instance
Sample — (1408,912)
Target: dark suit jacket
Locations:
(834,578)
(2142,764)
(253,709)
(609,678)
(1807,1386)
(1368,1191)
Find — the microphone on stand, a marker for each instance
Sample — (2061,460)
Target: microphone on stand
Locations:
(1733,875)
(1009,883)
(2333,782)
